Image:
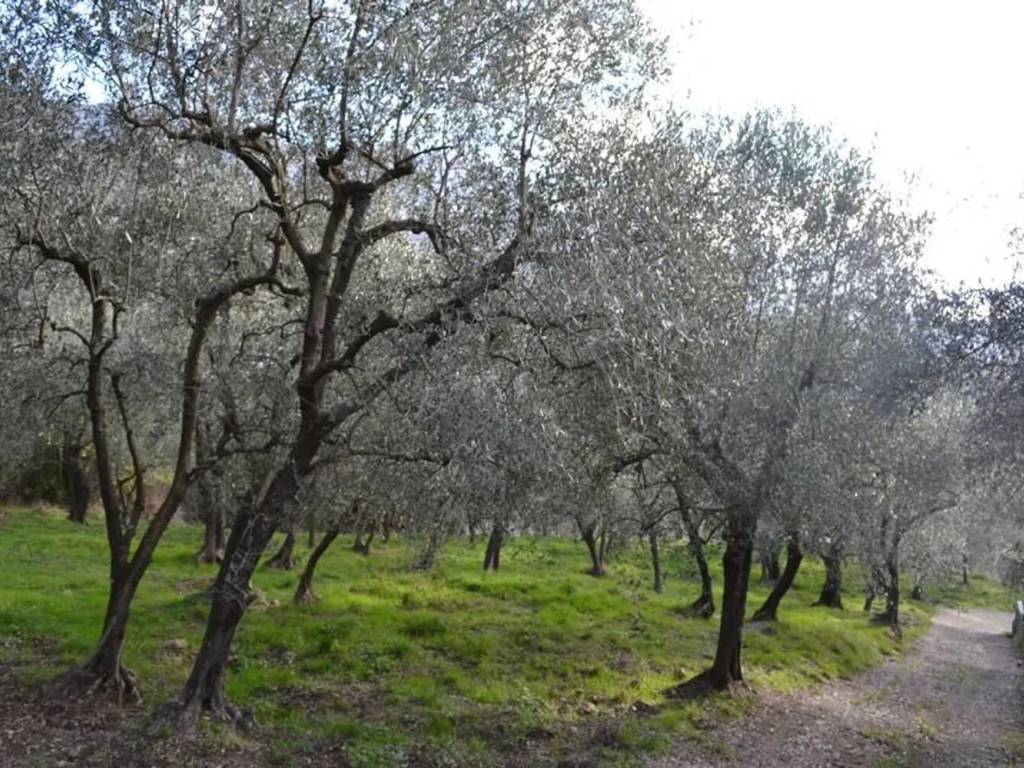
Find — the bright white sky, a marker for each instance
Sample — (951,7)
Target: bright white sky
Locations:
(933,87)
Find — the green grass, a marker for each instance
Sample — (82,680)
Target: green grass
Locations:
(979,592)
(456,659)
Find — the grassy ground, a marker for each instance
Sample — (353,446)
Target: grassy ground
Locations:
(978,592)
(456,661)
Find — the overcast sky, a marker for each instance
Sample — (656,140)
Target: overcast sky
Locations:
(933,87)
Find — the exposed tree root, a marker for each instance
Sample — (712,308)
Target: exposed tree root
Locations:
(286,563)
(185,717)
(284,559)
(761,614)
(210,558)
(119,684)
(702,686)
(701,608)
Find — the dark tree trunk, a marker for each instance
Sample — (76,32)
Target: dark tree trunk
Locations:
(361,545)
(492,556)
(794,556)
(437,535)
(204,690)
(76,481)
(891,616)
(917,593)
(210,511)
(736,562)
(595,549)
(704,606)
(232,595)
(284,558)
(891,586)
(659,584)
(770,568)
(304,593)
(213,536)
(832,590)
(964,576)
(212,515)
(886,577)
(365,528)
(104,671)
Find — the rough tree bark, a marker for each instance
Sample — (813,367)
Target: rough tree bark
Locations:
(891,615)
(595,547)
(736,562)
(492,556)
(771,570)
(704,606)
(869,596)
(832,590)
(213,535)
(363,540)
(231,595)
(366,527)
(386,526)
(885,576)
(304,593)
(76,480)
(769,611)
(659,583)
(284,559)
(210,511)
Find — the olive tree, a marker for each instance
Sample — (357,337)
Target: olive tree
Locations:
(732,290)
(342,114)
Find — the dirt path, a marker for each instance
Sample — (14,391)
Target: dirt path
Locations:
(953,701)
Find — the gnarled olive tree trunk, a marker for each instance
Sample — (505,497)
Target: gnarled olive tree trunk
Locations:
(231,595)
(891,615)
(104,670)
(832,590)
(704,606)
(659,581)
(365,526)
(492,556)
(596,543)
(771,570)
(736,562)
(304,592)
(210,512)
(769,611)
(284,558)
(76,479)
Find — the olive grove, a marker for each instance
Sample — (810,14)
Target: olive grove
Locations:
(444,267)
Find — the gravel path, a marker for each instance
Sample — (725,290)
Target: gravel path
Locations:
(954,700)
